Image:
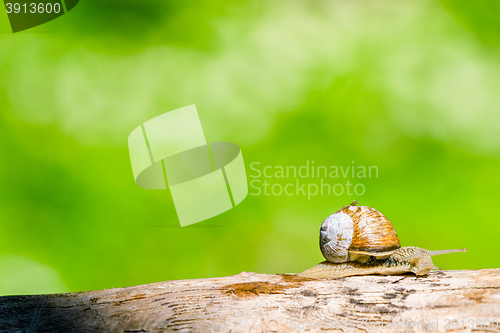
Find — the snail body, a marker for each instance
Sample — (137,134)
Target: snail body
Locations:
(359,240)
(403,260)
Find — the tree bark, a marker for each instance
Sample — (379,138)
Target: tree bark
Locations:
(251,302)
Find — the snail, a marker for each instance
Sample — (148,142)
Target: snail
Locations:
(359,240)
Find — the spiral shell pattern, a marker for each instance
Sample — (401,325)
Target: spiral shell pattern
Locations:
(336,236)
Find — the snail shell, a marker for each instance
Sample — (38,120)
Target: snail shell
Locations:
(357,233)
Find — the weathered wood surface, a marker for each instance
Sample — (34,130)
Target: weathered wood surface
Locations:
(250,302)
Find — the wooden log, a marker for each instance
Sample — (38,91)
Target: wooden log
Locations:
(251,302)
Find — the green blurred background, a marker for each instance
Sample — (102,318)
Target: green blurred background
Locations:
(410,87)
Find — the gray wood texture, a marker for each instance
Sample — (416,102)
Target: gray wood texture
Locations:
(251,302)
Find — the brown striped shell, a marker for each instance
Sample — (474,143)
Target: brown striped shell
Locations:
(357,233)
